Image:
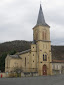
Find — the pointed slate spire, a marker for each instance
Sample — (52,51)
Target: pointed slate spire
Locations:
(41,20)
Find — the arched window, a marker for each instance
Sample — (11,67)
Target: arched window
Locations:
(44,57)
(43,35)
(25,61)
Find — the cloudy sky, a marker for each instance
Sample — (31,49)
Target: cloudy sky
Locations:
(18,17)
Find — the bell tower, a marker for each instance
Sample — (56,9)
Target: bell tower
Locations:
(41,37)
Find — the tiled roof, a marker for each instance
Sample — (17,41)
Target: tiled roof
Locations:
(58,61)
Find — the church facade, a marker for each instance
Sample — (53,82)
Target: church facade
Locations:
(37,60)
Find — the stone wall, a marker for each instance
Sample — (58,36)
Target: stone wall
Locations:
(3,75)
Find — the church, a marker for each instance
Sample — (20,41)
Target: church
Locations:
(36,61)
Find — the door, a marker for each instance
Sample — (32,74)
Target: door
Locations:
(44,70)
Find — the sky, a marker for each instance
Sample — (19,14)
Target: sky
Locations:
(18,17)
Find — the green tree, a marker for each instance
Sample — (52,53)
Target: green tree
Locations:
(2,61)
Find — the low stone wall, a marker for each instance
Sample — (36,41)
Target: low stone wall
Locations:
(28,74)
(11,75)
(3,75)
(8,75)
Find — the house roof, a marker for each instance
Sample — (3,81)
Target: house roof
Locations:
(57,61)
(57,52)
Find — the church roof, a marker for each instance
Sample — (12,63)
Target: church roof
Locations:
(26,51)
(14,56)
(41,19)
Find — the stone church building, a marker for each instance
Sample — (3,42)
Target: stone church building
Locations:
(37,60)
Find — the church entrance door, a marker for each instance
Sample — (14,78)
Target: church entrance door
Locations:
(44,70)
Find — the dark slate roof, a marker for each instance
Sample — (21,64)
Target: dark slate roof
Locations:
(41,19)
(14,56)
(57,52)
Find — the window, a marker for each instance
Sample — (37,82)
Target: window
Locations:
(43,35)
(43,46)
(33,54)
(33,61)
(25,61)
(33,47)
(57,67)
(53,66)
(44,57)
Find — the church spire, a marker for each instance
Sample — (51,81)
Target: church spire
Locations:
(41,19)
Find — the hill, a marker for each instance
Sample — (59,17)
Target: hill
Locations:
(19,46)
(11,48)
